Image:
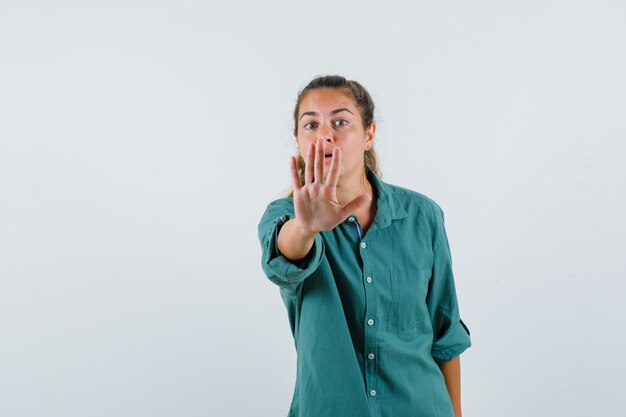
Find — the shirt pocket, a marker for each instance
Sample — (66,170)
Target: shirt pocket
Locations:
(409,288)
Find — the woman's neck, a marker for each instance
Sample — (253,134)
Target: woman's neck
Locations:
(350,188)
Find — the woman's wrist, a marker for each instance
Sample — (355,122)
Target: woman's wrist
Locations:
(294,243)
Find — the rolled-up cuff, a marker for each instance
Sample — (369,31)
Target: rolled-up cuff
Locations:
(283,271)
(454,342)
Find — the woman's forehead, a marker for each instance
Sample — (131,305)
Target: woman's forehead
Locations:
(326,100)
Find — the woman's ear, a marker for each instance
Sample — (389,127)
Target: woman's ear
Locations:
(370,132)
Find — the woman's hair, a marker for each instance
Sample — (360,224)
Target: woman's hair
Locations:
(364,103)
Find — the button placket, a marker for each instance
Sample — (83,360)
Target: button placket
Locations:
(371,309)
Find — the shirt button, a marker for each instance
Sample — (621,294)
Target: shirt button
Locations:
(369,280)
(350,219)
(370,322)
(370,356)
(373,393)
(363,245)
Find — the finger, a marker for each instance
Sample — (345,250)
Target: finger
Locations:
(308,168)
(319,161)
(295,176)
(353,205)
(335,164)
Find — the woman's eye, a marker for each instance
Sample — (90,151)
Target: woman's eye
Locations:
(308,125)
(340,122)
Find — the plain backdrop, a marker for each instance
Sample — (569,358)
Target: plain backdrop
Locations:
(140,143)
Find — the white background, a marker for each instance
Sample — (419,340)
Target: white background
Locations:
(140,142)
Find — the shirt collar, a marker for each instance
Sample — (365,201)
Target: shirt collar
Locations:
(387,206)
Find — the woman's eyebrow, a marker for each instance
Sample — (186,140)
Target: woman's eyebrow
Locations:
(314,113)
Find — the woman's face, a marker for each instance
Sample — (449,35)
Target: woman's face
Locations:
(331,114)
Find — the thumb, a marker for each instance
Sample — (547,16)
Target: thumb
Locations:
(359,201)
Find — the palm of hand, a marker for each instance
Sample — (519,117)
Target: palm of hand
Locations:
(316,207)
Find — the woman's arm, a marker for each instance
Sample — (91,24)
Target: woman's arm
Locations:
(452,374)
(293,242)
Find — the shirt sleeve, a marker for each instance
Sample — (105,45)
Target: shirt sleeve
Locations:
(450,335)
(280,270)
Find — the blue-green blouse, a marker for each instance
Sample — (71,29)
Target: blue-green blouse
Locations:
(372,315)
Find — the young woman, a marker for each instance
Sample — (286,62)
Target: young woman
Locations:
(365,272)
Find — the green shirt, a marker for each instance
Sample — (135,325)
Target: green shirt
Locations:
(371,315)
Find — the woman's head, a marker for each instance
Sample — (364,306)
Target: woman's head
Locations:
(341,112)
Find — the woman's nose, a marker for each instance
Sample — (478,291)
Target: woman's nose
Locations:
(325,133)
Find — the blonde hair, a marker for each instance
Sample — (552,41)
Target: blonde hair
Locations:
(364,103)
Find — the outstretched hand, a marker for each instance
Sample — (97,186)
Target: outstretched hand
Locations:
(315,203)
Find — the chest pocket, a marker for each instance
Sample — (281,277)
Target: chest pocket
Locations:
(407,310)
